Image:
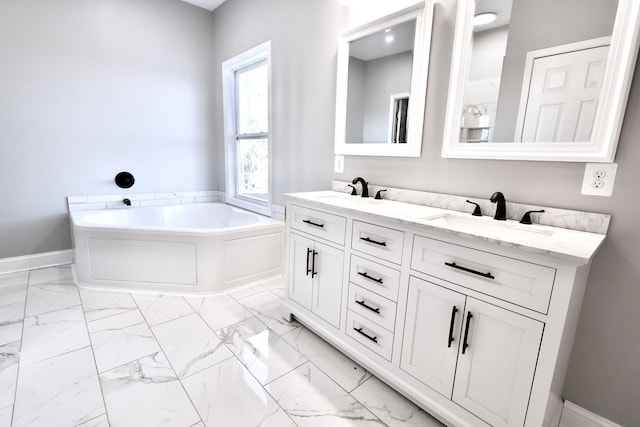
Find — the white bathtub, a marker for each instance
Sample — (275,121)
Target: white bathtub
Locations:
(202,248)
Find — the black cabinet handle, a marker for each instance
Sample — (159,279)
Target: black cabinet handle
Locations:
(373,279)
(306,221)
(465,344)
(366,239)
(313,264)
(364,304)
(454,310)
(469,270)
(308,269)
(359,330)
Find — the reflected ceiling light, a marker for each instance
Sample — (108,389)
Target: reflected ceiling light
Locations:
(484,18)
(388,38)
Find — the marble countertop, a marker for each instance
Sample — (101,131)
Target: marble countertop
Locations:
(566,244)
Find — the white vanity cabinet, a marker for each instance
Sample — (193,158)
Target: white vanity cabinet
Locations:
(477,333)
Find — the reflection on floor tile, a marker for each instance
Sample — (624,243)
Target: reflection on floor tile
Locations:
(228,395)
(51,276)
(391,407)
(262,351)
(162,308)
(146,392)
(101,421)
(11,318)
(100,304)
(347,373)
(311,398)
(219,311)
(44,298)
(121,339)
(60,391)
(190,345)
(267,306)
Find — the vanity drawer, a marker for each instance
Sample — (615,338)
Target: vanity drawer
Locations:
(375,277)
(320,224)
(372,306)
(522,283)
(373,336)
(381,242)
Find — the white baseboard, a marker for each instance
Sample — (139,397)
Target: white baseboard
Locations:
(29,262)
(576,416)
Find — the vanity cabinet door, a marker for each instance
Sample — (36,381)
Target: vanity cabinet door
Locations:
(327,283)
(315,277)
(432,334)
(300,283)
(496,364)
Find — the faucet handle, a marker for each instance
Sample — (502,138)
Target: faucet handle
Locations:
(378,195)
(476,210)
(526,218)
(353,190)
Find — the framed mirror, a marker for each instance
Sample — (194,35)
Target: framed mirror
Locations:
(382,84)
(547,80)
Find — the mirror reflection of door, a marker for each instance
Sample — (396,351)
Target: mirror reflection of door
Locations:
(398,110)
(560,92)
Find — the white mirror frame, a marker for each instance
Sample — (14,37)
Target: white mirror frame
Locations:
(608,121)
(423,14)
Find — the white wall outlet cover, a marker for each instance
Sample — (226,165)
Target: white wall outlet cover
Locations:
(338,165)
(598,179)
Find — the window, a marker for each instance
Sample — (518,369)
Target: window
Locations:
(246,94)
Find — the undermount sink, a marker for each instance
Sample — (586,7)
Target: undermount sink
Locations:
(484,225)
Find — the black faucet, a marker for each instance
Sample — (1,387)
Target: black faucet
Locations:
(365,188)
(501,208)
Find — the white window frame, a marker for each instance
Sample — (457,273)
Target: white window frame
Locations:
(229,67)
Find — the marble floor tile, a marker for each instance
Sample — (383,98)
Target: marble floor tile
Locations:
(247,291)
(20,278)
(276,286)
(267,306)
(262,351)
(228,395)
(344,371)
(392,408)
(100,304)
(60,391)
(161,308)
(13,288)
(146,392)
(219,311)
(47,297)
(9,361)
(11,318)
(5,415)
(190,345)
(121,339)
(101,421)
(50,334)
(311,398)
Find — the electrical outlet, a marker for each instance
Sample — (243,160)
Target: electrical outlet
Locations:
(599,178)
(338,164)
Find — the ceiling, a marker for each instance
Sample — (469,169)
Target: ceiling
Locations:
(205,4)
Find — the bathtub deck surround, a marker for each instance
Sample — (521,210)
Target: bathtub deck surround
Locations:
(447,307)
(197,249)
(77,357)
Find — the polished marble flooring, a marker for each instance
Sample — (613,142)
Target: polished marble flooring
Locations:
(72,357)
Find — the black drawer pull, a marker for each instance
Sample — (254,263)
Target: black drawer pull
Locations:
(453,320)
(306,221)
(465,343)
(308,269)
(364,304)
(366,239)
(373,279)
(359,330)
(314,273)
(468,270)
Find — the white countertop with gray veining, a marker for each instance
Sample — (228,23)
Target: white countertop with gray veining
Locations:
(566,244)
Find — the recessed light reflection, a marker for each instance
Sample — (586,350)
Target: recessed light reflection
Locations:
(484,18)
(388,38)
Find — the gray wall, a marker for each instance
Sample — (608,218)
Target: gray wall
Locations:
(91,88)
